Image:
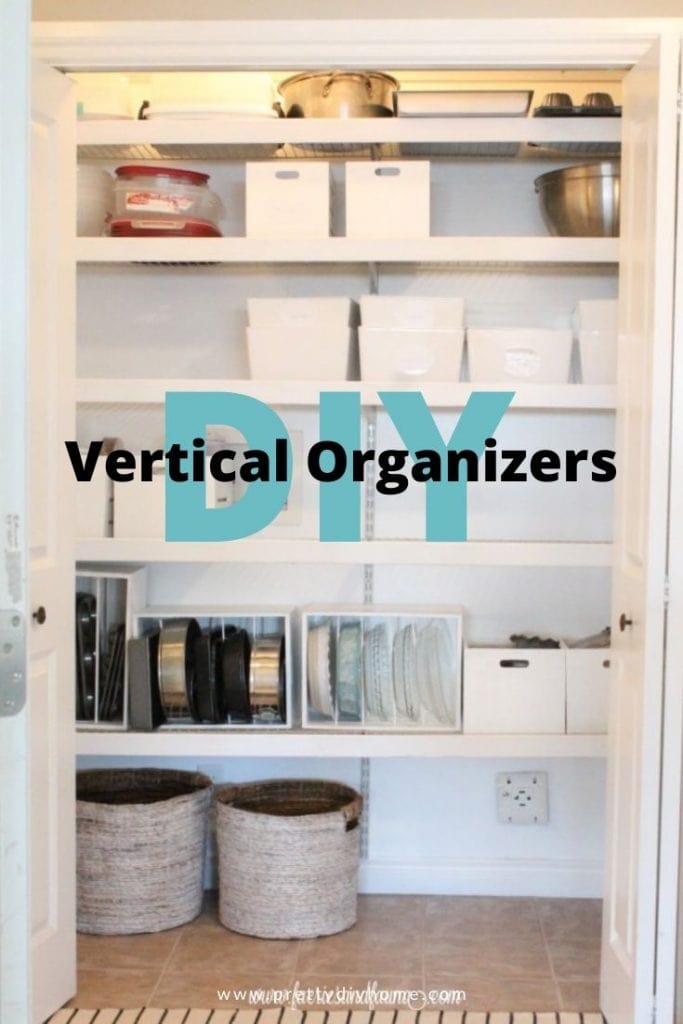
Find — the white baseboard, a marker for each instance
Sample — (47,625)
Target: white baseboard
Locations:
(477,877)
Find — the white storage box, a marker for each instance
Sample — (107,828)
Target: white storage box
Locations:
(301,353)
(595,322)
(140,508)
(588,672)
(598,357)
(387,199)
(94,503)
(382,667)
(288,200)
(509,690)
(409,356)
(412,311)
(531,354)
(312,312)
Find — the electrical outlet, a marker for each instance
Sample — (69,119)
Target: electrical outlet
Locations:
(522,798)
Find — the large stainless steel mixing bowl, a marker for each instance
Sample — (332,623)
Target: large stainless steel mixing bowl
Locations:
(581,201)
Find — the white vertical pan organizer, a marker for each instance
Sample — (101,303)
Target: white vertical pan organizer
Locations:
(381,667)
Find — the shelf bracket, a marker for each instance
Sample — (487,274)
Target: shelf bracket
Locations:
(373,270)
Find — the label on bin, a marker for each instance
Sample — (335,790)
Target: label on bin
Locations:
(158,202)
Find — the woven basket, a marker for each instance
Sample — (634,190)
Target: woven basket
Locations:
(288,857)
(141,835)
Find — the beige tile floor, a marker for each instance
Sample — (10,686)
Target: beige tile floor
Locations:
(505,954)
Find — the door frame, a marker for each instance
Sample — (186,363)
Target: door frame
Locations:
(445,43)
(15,958)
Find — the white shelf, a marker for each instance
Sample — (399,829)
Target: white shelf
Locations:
(491,249)
(230,742)
(367,552)
(439,395)
(232,139)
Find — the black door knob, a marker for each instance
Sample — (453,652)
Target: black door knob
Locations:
(39,615)
(624,622)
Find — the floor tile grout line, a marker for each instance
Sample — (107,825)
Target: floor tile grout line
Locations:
(151,995)
(551,962)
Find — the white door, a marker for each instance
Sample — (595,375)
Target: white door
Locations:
(50,525)
(648,206)
(14,942)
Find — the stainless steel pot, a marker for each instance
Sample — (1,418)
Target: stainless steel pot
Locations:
(339,94)
(581,201)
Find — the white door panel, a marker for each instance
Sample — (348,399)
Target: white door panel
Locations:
(642,443)
(50,517)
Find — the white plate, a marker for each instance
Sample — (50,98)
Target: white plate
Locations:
(405,694)
(320,692)
(377,678)
(435,667)
(192,110)
(348,671)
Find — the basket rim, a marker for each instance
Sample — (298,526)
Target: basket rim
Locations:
(350,805)
(198,782)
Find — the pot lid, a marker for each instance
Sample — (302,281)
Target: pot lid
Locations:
(145,171)
(306,76)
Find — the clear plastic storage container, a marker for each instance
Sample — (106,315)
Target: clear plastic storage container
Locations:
(155,195)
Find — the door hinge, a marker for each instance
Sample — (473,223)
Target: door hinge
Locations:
(12,669)
(654,1010)
(679,104)
(667,591)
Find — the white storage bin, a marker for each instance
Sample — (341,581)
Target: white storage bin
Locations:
(412,311)
(140,508)
(382,667)
(598,357)
(595,322)
(288,200)
(283,312)
(387,199)
(587,689)
(94,503)
(409,356)
(509,690)
(301,353)
(532,354)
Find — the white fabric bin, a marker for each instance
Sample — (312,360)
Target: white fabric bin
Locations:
(409,356)
(288,200)
(301,353)
(588,673)
(387,199)
(507,690)
(413,312)
(532,354)
(328,310)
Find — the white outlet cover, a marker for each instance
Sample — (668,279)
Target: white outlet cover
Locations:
(522,798)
